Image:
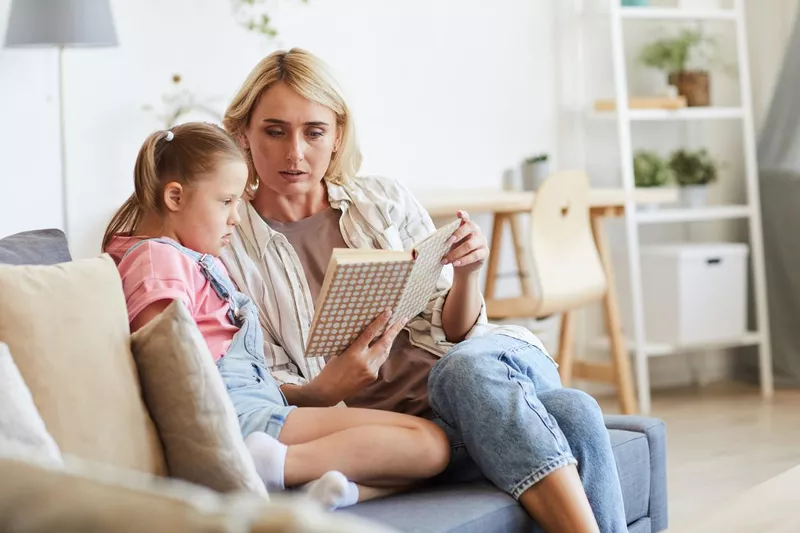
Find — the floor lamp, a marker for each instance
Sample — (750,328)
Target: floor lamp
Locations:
(62,24)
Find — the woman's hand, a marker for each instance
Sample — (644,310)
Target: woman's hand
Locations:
(348,373)
(468,247)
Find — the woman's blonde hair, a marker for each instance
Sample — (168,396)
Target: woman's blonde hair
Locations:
(309,77)
(178,155)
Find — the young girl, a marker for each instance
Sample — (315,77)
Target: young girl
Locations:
(165,240)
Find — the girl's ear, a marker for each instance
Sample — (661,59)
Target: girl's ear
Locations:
(174,196)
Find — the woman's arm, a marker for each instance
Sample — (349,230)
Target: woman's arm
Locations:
(458,303)
(307,395)
(463,303)
(349,372)
(461,306)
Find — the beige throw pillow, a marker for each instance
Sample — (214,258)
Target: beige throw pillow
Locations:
(186,396)
(67,327)
(22,430)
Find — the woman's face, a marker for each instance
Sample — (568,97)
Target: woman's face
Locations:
(292,140)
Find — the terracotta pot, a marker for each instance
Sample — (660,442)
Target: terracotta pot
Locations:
(694,85)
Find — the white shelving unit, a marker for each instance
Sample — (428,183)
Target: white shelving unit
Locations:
(750,210)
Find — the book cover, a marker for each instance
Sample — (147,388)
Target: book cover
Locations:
(360,284)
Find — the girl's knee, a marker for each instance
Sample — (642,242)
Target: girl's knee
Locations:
(434,447)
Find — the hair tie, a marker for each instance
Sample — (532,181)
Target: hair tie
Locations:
(170,135)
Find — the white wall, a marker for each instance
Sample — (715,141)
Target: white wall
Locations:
(770,30)
(445,93)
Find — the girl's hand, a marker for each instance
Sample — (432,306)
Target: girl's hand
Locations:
(468,247)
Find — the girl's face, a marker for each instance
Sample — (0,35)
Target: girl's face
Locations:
(203,216)
(292,141)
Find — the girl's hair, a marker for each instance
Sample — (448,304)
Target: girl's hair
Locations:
(309,77)
(179,155)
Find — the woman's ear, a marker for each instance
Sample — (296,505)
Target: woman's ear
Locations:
(244,142)
(337,143)
(174,196)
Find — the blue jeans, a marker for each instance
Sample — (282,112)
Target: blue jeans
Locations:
(502,405)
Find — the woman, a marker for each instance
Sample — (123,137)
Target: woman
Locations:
(494,390)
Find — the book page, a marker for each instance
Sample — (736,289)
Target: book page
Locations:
(425,273)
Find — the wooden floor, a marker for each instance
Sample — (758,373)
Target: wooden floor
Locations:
(723,440)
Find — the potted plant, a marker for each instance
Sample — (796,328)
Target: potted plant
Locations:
(650,169)
(535,170)
(693,171)
(674,55)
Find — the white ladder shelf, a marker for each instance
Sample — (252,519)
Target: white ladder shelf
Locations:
(750,210)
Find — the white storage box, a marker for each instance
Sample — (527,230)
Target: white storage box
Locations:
(694,293)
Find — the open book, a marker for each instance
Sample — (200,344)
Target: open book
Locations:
(361,283)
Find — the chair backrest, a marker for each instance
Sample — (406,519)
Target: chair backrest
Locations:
(567,271)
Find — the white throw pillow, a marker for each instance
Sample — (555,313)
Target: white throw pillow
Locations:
(22,430)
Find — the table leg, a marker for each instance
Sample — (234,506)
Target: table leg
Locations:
(566,347)
(521,253)
(619,352)
(494,255)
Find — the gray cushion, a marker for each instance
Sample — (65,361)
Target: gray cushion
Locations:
(481,508)
(39,247)
(633,465)
(476,507)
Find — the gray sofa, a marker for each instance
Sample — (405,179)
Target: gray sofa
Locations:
(639,446)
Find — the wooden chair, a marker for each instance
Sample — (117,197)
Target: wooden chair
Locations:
(566,273)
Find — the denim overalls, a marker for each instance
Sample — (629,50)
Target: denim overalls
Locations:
(259,402)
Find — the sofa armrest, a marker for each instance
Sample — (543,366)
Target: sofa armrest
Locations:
(38,497)
(656,433)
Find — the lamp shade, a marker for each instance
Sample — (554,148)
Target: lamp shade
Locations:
(63,23)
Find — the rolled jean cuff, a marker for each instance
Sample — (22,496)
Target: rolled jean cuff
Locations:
(269,419)
(559,462)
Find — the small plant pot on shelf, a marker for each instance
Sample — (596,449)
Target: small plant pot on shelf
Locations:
(534,171)
(693,170)
(694,195)
(695,85)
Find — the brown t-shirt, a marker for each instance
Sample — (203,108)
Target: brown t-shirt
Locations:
(402,384)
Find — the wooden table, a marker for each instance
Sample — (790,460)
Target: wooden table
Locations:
(506,206)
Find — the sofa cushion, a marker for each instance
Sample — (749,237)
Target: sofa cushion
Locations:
(475,507)
(480,507)
(84,497)
(633,465)
(67,327)
(39,247)
(186,397)
(22,429)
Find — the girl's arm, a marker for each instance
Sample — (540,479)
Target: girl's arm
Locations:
(148,313)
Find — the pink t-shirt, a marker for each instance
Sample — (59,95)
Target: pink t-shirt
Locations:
(156,271)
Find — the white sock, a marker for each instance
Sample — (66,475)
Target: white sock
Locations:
(269,456)
(333,490)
